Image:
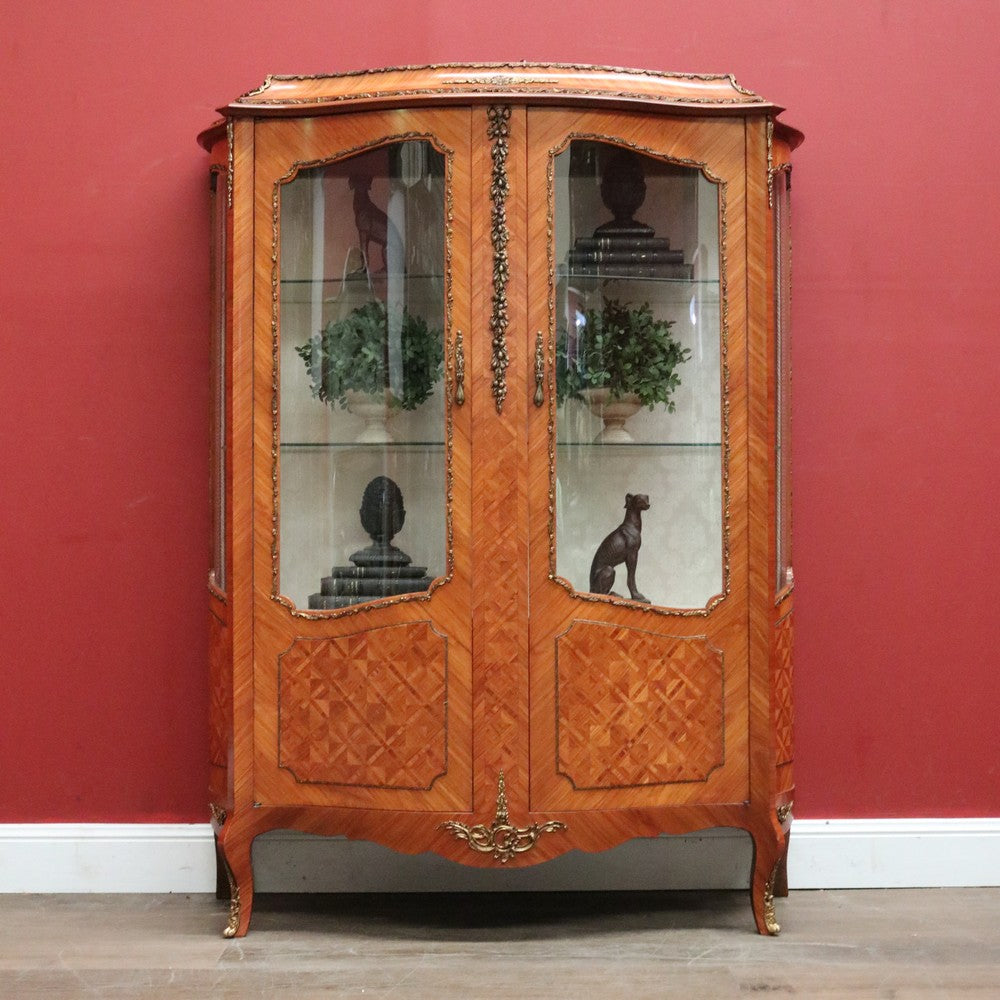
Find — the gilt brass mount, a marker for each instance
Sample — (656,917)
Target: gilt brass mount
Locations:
(539,370)
(499,134)
(501,839)
(770,921)
(459,369)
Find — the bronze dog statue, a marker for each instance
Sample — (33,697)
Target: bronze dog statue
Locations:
(621,546)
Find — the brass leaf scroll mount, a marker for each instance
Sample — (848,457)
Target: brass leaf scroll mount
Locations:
(499,132)
(459,369)
(501,839)
(539,370)
(770,921)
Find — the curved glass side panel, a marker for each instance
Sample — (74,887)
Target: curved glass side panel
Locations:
(362,413)
(639,440)
(782,350)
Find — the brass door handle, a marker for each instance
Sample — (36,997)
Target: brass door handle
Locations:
(539,370)
(459,369)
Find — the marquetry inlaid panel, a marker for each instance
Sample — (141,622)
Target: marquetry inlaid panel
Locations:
(367,709)
(782,681)
(636,708)
(498,697)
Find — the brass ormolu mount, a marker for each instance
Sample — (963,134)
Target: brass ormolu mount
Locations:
(502,840)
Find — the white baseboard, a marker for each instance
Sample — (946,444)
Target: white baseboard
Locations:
(894,853)
(106,857)
(825,854)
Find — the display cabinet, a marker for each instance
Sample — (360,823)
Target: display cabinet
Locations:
(501,557)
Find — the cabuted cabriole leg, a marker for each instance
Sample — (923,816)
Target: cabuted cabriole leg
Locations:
(781,878)
(768,850)
(235,841)
(781,872)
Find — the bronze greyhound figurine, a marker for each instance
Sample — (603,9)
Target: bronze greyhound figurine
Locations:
(621,546)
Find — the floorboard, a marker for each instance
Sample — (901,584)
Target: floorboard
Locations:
(893,944)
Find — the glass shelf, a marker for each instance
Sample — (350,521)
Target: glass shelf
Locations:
(438,445)
(305,291)
(623,446)
(362,446)
(357,276)
(579,277)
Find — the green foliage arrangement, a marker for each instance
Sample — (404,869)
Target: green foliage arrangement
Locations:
(622,348)
(351,354)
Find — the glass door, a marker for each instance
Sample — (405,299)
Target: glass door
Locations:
(638,671)
(362,624)
(362,413)
(638,375)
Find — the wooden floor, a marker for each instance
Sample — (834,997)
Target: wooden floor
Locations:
(586,946)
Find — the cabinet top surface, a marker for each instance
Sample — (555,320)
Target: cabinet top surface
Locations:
(453,83)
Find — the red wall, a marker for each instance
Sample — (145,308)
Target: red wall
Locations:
(104,307)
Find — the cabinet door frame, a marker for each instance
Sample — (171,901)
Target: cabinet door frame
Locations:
(714,635)
(440,617)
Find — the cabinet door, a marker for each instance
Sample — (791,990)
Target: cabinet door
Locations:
(361,670)
(638,530)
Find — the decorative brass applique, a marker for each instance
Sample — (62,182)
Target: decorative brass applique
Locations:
(498,80)
(234,898)
(527,87)
(234,909)
(772,170)
(783,168)
(501,839)
(784,812)
(459,369)
(487,66)
(230,160)
(499,132)
(770,163)
(539,370)
(257,91)
(770,922)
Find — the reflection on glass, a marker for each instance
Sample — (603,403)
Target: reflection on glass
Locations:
(217,486)
(782,331)
(638,377)
(362,472)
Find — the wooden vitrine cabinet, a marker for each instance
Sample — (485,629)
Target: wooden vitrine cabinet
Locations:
(501,561)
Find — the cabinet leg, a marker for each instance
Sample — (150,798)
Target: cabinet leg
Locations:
(235,841)
(781,873)
(768,850)
(221,873)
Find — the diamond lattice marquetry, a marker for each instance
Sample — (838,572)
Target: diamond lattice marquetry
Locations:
(368,709)
(636,708)
(499,695)
(782,681)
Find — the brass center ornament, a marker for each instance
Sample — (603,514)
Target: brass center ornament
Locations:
(502,840)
